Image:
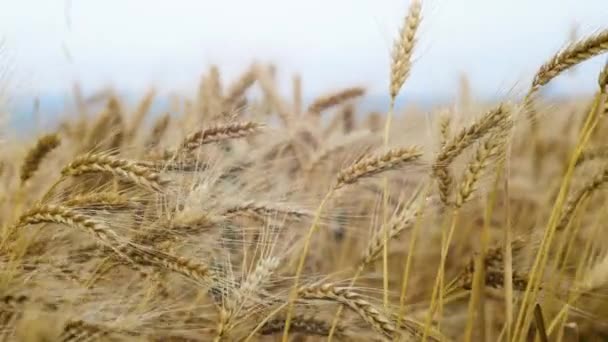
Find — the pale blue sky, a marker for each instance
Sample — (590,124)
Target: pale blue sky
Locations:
(135,43)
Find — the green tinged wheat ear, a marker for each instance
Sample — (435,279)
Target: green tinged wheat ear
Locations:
(34,157)
(403,48)
(324,102)
(374,165)
(120,168)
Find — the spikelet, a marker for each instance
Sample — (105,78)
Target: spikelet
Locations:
(374,165)
(120,168)
(35,155)
(403,48)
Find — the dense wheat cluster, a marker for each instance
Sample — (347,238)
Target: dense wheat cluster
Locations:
(241,218)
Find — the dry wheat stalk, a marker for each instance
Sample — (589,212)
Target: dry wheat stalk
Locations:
(324,102)
(343,295)
(35,155)
(121,168)
(376,164)
(403,48)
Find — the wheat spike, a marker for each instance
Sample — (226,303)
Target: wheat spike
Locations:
(403,48)
(373,165)
(220,132)
(34,157)
(324,102)
(63,215)
(121,168)
(352,300)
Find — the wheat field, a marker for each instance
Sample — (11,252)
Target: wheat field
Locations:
(235,217)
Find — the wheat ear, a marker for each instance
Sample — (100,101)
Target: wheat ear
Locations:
(374,165)
(218,133)
(121,168)
(34,157)
(403,48)
(322,103)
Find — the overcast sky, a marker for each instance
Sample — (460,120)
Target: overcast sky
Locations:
(133,44)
